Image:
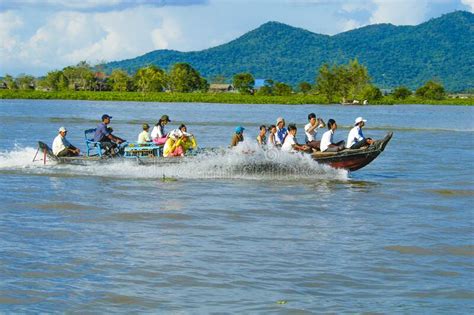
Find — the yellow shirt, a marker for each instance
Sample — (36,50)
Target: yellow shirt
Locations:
(144,137)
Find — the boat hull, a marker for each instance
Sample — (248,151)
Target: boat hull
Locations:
(353,160)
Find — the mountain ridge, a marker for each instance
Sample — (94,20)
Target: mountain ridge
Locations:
(441,48)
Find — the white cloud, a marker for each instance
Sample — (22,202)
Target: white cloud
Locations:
(399,12)
(469,3)
(70,36)
(51,34)
(9,23)
(92,5)
(350,25)
(170,30)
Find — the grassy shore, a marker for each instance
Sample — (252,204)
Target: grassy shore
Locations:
(229,98)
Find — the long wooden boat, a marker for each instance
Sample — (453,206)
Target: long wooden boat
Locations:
(348,159)
(353,160)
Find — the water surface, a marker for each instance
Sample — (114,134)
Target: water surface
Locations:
(237,233)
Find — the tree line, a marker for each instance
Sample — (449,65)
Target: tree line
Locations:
(334,83)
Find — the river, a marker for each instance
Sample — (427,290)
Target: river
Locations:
(221,235)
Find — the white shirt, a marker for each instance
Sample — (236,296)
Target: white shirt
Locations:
(60,144)
(156,132)
(271,144)
(355,135)
(326,140)
(288,144)
(143,137)
(311,136)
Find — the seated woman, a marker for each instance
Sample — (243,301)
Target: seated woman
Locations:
(179,142)
(158,134)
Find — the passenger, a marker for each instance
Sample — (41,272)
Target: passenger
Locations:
(311,129)
(188,139)
(262,138)
(271,137)
(281,132)
(290,144)
(327,143)
(356,139)
(144,137)
(158,134)
(107,140)
(62,147)
(179,141)
(173,147)
(238,136)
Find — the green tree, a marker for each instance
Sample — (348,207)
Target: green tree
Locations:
(371,93)
(431,90)
(79,77)
(282,89)
(304,87)
(358,78)
(183,78)
(244,83)
(265,91)
(11,83)
(25,82)
(120,81)
(55,81)
(346,81)
(150,79)
(401,92)
(327,83)
(203,85)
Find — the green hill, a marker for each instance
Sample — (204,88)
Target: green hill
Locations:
(442,49)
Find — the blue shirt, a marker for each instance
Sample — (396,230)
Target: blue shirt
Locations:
(101,132)
(281,134)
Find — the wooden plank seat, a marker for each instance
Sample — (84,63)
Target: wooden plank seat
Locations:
(143,150)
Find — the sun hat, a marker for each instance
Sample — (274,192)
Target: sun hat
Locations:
(239,129)
(358,120)
(62,129)
(279,120)
(165,117)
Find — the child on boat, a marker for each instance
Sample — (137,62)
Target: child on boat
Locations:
(144,137)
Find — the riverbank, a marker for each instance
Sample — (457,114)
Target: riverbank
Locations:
(227,98)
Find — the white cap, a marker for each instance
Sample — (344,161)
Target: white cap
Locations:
(358,120)
(62,129)
(279,119)
(187,134)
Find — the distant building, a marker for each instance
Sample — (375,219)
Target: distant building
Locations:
(461,95)
(220,87)
(3,85)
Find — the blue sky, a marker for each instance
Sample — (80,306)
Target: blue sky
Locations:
(38,36)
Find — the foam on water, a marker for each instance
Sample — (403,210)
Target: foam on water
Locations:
(247,161)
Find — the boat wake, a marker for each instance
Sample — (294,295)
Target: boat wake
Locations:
(247,161)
